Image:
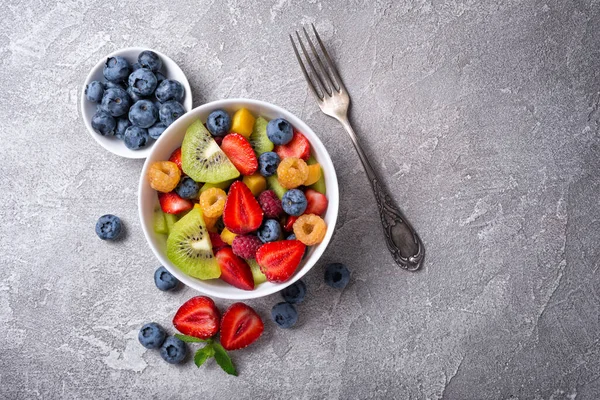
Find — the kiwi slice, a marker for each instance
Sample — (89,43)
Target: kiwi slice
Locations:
(319,185)
(160,224)
(201,157)
(257,274)
(221,185)
(274,185)
(258,139)
(190,249)
(170,219)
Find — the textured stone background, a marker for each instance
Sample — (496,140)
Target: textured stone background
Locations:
(482,116)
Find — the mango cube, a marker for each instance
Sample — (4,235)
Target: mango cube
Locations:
(227,236)
(243,122)
(256,183)
(211,223)
(314,174)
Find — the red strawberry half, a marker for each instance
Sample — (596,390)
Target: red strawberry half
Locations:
(299,147)
(216,241)
(176,158)
(234,269)
(242,213)
(173,204)
(240,153)
(279,260)
(289,223)
(317,202)
(240,327)
(198,317)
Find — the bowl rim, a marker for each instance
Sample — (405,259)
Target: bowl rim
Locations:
(332,194)
(131,154)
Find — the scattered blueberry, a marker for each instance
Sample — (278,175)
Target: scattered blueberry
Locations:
(187,188)
(104,123)
(116,69)
(94,91)
(135,66)
(294,293)
(115,101)
(108,227)
(291,237)
(133,95)
(152,335)
(159,78)
(170,111)
(142,82)
(173,350)
(149,59)
(135,137)
(337,275)
(284,314)
(267,163)
(122,125)
(218,123)
(169,89)
(279,131)
(156,130)
(164,280)
(113,85)
(143,114)
(294,202)
(269,231)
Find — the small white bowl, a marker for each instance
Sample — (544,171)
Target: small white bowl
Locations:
(172,138)
(170,69)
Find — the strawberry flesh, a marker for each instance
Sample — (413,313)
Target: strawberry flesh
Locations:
(289,223)
(279,260)
(242,213)
(240,327)
(176,158)
(299,147)
(198,317)
(239,151)
(171,203)
(317,202)
(234,270)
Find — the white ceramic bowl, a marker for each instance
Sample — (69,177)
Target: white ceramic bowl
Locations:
(170,69)
(172,138)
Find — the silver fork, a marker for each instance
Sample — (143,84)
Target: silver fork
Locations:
(333,99)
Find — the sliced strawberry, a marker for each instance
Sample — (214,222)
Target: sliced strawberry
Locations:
(279,260)
(171,203)
(176,158)
(299,147)
(240,327)
(234,270)
(240,153)
(242,213)
(317,202)
(216,241)
(289,223)
(198,317)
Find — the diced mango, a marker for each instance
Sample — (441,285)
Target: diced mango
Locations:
(211,223)
(256,183)
(314,174)
(227,236)
(243,122)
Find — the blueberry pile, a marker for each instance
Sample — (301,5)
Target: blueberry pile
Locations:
(136,103)
(153,336)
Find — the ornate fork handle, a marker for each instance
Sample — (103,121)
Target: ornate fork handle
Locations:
(400,237)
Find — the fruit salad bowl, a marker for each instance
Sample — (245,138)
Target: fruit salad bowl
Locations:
(172,139)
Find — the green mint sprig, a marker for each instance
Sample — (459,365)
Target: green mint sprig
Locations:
(210,350)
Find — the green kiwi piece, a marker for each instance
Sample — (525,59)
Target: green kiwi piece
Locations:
(170,219)
(274,185)
(257,274)
(258,139)
(220,185)
(190,249)
(201,157)
(160,224)
(319,185)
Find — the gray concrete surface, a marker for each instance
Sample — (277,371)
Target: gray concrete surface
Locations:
(482,116)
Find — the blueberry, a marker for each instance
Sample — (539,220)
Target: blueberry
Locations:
(173,350)
(284,314)
(143,114)
(294,202)
(142,82)
(169,89)
(170,111)
(94,91)
(187,188)
(337,275)
(267,163)
(156,130)
(116,102)
(104,123)
(279,131)
(294,293)
(122,125)
(135,137)
(113,85)
(133,95)
(135,66)
(152,335)
(291,237)
(269,231)
(164,280)
(116,69)
(159,78)
(149,59)
(108,227)
(218,123)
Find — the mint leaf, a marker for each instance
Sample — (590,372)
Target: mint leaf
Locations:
(190,339)
(222,358)
(204,354)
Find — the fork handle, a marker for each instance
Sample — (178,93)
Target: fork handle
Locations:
(402,240)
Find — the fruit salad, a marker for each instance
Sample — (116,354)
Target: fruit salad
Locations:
(240,200)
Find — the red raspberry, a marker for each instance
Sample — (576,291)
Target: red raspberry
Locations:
(246,246)
(270,204)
